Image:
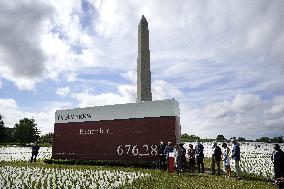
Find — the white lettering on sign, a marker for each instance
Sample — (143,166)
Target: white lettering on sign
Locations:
(73,116)
(145,150)
(94,131)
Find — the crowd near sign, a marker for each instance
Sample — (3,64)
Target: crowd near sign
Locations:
(116,132)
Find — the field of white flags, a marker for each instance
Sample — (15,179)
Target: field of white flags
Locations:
(23,153)
(17,172)
(255,157)
(41,177)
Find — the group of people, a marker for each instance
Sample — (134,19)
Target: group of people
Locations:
(194,155)
(179,153)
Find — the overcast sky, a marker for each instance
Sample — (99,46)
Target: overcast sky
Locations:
(222,60)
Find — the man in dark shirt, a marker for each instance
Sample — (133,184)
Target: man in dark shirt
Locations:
(162,156)
(278,161)
(216,158)
(35,149)
(182,154)
(199,156)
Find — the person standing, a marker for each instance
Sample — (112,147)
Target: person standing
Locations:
(169,148)
(216,158)
(183,158)
(199,156)
(226,159)
(278,161)
(178,157)
(191,157)
(236,156)
(162,156)
(35,149)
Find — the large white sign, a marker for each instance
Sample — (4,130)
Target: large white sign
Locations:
(119,111)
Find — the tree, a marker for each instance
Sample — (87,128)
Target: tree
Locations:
(189,138)
(221,138)
(26,131)
(47,138)
(241,139)
(263,139)
(9,134)
(277,139)
(2,130)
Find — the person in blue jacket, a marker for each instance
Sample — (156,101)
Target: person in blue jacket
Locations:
(236,156)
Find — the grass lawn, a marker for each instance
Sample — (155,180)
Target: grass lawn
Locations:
(161,179)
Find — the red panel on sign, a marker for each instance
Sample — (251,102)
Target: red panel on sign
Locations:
(132,139)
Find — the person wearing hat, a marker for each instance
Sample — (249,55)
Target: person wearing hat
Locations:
(278,161)
(236,156)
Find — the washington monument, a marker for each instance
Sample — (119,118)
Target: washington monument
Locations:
(143,63)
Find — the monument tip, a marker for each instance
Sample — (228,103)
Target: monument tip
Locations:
(143,19)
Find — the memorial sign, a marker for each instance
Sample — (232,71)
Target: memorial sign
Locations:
(116,132)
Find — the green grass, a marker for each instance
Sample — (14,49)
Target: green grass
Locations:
(161,179)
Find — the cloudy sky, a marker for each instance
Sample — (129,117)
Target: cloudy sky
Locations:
(222,60)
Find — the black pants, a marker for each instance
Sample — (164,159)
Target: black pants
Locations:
(213,163)
(278,171)
(34,155)
(179,164)
(199,162)
(191,164)
(162,162)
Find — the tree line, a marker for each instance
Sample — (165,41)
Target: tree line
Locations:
(221,138)
(24,132)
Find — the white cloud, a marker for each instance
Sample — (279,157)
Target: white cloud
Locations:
(71,77)
(21,26)
(163,90)
(11,114)
(63,91)
(131,76)
(246,115)
(125,95)
(218,59)
(246,102)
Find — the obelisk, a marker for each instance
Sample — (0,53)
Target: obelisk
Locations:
(143,63)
